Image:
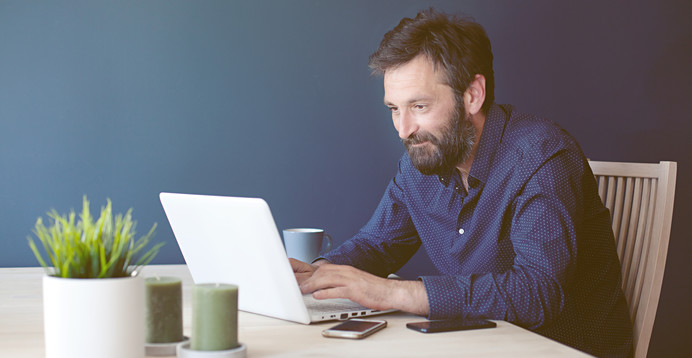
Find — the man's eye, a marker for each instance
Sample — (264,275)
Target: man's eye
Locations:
(419,106)
(393,109)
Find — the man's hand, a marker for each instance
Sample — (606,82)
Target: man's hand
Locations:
(340,281)
(304,270)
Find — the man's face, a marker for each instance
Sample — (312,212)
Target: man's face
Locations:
(435,131)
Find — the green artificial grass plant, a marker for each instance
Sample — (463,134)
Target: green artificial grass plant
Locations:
(85,248)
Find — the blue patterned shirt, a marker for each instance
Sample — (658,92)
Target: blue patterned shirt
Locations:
(530,242)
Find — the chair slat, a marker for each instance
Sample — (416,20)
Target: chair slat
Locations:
(626,257)
(617,215)
(602,186)
(610,198)
(641,248)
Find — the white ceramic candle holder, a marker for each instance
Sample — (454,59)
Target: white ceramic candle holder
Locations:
(163,349)
(184,351)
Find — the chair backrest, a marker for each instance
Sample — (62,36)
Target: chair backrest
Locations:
(640,198)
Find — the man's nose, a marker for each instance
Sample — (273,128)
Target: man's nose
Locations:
(407,125)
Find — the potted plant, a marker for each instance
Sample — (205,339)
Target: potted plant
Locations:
(93,296)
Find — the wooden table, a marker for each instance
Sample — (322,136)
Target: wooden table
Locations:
(21,330)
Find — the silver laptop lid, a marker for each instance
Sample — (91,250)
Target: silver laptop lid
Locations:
(235,240)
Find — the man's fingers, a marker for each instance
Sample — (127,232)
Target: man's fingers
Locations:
(302,277)
(301,267)
(322,278)
(298,266)
(302,271)
(334,292)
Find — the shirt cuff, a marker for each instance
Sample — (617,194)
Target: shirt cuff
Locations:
(445,297)
(335,259)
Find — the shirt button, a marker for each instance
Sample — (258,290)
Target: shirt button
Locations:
(461,231)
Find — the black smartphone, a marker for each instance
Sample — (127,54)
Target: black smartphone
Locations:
(450,325)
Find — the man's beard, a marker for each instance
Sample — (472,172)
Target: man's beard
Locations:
(441,155)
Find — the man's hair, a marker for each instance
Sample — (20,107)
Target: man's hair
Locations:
(458,45)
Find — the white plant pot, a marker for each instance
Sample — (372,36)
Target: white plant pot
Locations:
(94,317)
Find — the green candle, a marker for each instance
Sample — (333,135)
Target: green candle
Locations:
(214,317)
(164,310)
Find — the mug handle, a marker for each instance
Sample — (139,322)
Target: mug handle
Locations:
(329,243)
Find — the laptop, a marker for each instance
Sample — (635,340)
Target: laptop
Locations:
(235,240)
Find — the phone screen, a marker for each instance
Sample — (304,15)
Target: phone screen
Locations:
(355,329)
(354,326)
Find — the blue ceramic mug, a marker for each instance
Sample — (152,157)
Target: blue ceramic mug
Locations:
(305,244)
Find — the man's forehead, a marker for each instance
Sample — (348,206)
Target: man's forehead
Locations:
(413,81)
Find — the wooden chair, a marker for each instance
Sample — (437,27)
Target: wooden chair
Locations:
(640,198)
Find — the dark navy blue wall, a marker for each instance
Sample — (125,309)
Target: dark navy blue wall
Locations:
(125,99)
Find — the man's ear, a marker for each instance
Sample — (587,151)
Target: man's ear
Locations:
(474,97)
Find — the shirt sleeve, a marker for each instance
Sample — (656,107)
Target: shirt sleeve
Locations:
(543,233)
(386,242)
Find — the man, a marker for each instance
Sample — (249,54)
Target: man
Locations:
(504,203)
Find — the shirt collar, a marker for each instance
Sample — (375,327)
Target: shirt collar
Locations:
(490,140)
(493,128)
(453,177)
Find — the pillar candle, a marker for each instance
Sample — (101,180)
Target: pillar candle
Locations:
(164,310)
(214,317)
